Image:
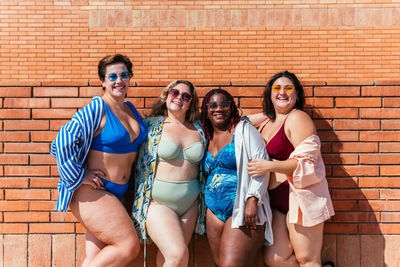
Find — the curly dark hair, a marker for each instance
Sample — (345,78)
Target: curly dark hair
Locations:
(113,59)
(268,107)
(205,121)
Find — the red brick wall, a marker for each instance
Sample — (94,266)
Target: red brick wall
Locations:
(357,124)
(345,52)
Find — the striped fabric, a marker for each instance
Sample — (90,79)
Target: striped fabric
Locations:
(71,147)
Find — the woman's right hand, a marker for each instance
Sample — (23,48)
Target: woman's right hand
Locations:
(92,178)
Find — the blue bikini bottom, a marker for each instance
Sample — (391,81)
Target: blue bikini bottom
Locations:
(118,190)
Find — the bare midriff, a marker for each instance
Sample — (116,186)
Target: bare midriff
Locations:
(116,167)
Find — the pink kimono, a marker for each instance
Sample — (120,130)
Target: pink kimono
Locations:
(309,199)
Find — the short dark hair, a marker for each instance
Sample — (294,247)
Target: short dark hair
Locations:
(268,107)
(113,59)
(205,121)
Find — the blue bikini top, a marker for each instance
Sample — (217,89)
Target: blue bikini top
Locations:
(114,138)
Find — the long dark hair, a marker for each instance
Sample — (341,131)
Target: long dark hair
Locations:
(268,107)
(205,121)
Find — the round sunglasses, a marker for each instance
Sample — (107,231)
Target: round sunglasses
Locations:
(113,76)
(186,97)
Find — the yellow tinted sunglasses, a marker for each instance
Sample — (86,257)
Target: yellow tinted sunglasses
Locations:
(277,88)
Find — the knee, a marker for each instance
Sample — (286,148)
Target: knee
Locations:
(177,256)
(272,259)
(306,259)
(229,261)
(130,248)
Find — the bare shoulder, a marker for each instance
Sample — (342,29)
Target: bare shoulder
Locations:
(299,126)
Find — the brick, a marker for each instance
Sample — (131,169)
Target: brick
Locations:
(392,250)
(14,136)
(330,228)
(337,91)
(379,182)
(380,136)
(62,217)
(391,102)
(26,170)
(26,102)
(43,182)
(26,148)
(344,205)
(13,228)
(53,228)
(372,249)
(80,249)
(379,113)
(355,147)
(319,102)
(42,205)
(355,170)
(13,159)
(356,217)
(13,182)
(390,193)
(27,125)
(41,136)
(15,113)
(380,205)
(41,159)
(39,247)
(356,124)
(27,194)
(342,182)
(380,91)
(55,91)
(390,124)
(92,91)
(55,125)
(26,216)
(390,217)
(348,252)
(389,170)
(379,159)
(354,194)
(15,250)
(69,102)
(16,92)
(13,205)
(63,246)
(338,113)
(52,113)
(379,229)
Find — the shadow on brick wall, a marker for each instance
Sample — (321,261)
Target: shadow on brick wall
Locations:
(353,236)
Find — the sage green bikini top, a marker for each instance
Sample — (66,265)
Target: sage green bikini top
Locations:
(169,151)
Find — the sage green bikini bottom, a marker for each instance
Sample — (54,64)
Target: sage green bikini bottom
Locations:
(176,195)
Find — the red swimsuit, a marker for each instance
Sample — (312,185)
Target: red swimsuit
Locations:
(280,148)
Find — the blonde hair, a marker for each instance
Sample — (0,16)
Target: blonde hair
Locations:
(160,108)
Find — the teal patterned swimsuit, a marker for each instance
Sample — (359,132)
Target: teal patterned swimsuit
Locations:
(221,185)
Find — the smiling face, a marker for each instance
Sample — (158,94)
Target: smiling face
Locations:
(179,102)
(119,87)
(219,111)
(283,95)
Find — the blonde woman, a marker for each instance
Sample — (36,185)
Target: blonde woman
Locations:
(168,186)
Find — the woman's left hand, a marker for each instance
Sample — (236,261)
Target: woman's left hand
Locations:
(258,167)
(250,213)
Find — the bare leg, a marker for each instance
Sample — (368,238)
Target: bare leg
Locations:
(108,222)
(280,254)
(93,247)
(171,234)
(239,246)
(214,228)
(307,243)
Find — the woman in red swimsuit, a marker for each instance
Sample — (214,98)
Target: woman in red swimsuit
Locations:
(292,143)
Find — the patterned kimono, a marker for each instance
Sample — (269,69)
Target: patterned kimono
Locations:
(145,173)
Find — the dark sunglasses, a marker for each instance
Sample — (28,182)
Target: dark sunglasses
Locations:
(113,76)
(186,97)
(214,105)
